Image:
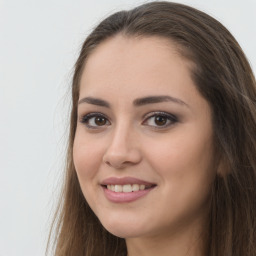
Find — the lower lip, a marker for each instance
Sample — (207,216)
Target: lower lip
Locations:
(121,197)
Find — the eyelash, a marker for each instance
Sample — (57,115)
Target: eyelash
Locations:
(169,118)
(86,118)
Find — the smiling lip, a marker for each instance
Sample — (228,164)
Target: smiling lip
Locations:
(125,197)
(125,180)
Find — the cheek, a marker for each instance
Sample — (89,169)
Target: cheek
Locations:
(185,162)
(187,146)
(87,157)
(175,153)
(185,168)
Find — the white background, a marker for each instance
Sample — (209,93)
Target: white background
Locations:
(39,42)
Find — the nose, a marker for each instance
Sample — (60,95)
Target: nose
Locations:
(123,149)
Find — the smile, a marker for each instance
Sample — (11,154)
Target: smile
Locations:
(127,188)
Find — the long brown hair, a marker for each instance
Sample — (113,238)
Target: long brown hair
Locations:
(224,78)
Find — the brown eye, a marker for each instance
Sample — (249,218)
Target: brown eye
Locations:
(95,120)
(160,120)
(100,121)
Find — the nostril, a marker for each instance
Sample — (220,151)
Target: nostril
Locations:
(116,163)
(108,163)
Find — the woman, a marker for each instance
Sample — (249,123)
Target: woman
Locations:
(162,146)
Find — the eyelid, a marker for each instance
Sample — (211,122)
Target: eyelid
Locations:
(155,113)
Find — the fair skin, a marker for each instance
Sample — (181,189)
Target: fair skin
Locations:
(166,142)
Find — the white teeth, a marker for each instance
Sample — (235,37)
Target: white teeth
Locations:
(126,188)
(135,187)
(118,188)
(142,187)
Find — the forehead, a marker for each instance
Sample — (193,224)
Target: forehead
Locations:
(135,64)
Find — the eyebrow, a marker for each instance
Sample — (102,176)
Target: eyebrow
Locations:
(137,102)
(157,99)
(95,101)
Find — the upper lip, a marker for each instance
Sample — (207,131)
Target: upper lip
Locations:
(124,181)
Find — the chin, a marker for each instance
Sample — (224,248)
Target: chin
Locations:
(123,229)
(124,232)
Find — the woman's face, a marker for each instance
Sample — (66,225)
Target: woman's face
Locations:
(143,148)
